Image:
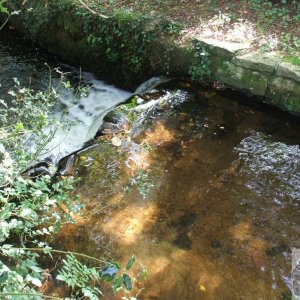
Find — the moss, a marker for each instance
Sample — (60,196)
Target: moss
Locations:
(70,25)
(293,59)
(255,80)
(127,47)
(241,78)
(118,47)
(218,63)
(284,93)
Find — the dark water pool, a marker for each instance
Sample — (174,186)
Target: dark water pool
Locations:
(206,196)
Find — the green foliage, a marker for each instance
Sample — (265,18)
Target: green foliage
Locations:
(295,60)
(200,69)
(130,263)
(29,207)
(289,43)
(21,126)
(270,13)
(3,9)
(140,181)
(123,38)
(111,273)
(79,277)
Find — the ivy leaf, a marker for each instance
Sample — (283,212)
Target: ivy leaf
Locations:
(130,262)
(109,272)
(127,282)
(89,293)
(2,8)
(61,277)
(3,277)
(19,127)
(118,282)
(3,103)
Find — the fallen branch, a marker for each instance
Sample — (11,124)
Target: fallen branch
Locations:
(92,11)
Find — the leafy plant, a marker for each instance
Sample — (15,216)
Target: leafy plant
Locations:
(140,181)
(30,207)
(3,9)
(201,65)
(79,277)
(110,273)
(34,208)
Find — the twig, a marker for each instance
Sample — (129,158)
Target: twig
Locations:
(5,22)
(30,294)
(55,251)
(92,11)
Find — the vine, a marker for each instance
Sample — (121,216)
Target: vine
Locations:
(200,69)
(119,38)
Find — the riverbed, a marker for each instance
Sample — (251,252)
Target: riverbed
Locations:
(205,193)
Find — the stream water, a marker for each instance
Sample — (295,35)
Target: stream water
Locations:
(34,68)
(205,194)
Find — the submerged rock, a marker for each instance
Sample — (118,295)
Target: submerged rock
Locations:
(67,165)
(40,169)
(183,241)
(114,122)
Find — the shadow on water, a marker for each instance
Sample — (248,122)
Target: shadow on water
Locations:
(223,214)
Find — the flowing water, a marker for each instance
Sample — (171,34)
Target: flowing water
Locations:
(205,194)
(34,68)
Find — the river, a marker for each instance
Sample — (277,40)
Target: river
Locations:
(206,195)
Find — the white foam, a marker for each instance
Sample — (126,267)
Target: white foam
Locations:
(85,116)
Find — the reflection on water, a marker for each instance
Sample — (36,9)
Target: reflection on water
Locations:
(277,166)
(224,211)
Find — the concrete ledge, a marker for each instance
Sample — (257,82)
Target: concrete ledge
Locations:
(110,47)
(288,70)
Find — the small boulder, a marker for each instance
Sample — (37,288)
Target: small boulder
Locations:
(114,123)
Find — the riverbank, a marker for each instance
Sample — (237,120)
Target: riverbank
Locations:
(128,45)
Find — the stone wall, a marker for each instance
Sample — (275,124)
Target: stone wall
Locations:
(267,75)
(128,48)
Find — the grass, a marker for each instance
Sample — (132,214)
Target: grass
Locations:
(295,60)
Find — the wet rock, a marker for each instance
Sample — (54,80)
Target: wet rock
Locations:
(115,118)
(38,170)
(114,123)
(221,130)
(184,221)
(67,166)
(275,165)
(229,250)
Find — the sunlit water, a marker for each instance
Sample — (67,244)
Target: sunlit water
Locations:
(217,213)
(223,212)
